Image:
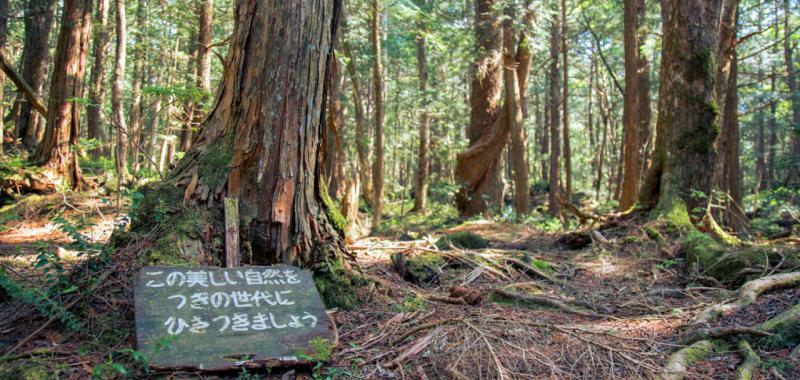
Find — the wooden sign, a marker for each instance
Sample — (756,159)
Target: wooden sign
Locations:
(212,318)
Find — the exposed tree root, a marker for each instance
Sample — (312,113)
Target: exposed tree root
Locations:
(679,362)
(748,294)
(721,332)
(543,301)
(750,362)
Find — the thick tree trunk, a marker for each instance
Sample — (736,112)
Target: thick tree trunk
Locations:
(554,208)
(56,153)
(631,117)
(38,22)
(380,115)
(421,183)
(261,141)
(477,168)
(362,133)
(688,114)
(117,106)
(97,87)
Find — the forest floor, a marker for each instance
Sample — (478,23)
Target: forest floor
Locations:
(524,303)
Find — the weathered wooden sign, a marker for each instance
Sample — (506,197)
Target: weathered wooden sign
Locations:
(212,318)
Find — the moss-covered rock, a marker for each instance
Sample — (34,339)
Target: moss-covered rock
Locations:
(463,240)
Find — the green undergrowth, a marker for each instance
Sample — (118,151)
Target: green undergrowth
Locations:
(399,219)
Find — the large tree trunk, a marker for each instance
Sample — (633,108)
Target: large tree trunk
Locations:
(478,166)
(97,86)
(631,117)
(362,134)
(554,208)
(683,171)
(117,106)
(56,153)
(565,103)
(421,183)
(38,22)
(261,141)
(380,115)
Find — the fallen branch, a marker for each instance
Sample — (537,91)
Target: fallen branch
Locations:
(544,301)
(22,85)
(528,269)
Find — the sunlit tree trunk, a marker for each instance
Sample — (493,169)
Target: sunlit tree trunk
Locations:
(38,22)
(688,116)
(362,133)
(117,106)
(477,167)
(380,116)
(421,181)
(56,153)
(97,87)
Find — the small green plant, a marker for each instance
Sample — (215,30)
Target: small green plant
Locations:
(779,365)
(109,370)
(668,263)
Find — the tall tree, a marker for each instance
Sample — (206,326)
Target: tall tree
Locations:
(683,165)
(97,83)
(56,153)
(478,167)
(261,142)
(380,116)
(793,175)
(38,22)
(554,208)
(3,38)
(135,117)
(565,103)
(361,132)
(630,117)
(117,106)
(421,184)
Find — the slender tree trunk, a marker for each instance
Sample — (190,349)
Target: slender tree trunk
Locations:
(478,167)
(565,104)
(97,88)
(421,184)
(188,127)
(202,53)
(631,120)
(380,116)
(793,174)
(362,132)
(3,38)
(732,172)
(135,117)
(117,106)
(688,114)
(38,22)
(645,112)
(335,160)
(264,149)
(554,208)
(55,153)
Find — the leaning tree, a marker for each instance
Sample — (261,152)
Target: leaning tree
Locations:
(260,144)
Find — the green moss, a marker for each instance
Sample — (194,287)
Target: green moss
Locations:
(411,304)
(672,210)
(27,371)
(335,217)
(654,235)
(701,65)
(179,245)
(336,284)
(786,330)
(463,240)
(537,263)
(215,165)
(706,255)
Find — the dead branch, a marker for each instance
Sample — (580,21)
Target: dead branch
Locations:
(22,85)
(544,301)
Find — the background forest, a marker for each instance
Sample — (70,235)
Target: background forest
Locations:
(616,180)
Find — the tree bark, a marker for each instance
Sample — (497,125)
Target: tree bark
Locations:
(362,133)
(423,152)
(97,87)
(135,117)
(38,22)
(117,106)
(631,117)
(688,115)
(565,104)
(55,153)
(554,208)
(261,141)
(380,116)
(3,38)
(793,174)
(478,166)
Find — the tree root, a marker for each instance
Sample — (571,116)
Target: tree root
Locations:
(721,332)
(748,294)
(679,362)
(544,301)
(750,361)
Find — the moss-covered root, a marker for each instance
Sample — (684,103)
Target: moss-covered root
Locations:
(785,329)
(748,294)
(750,361)
(679,362)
